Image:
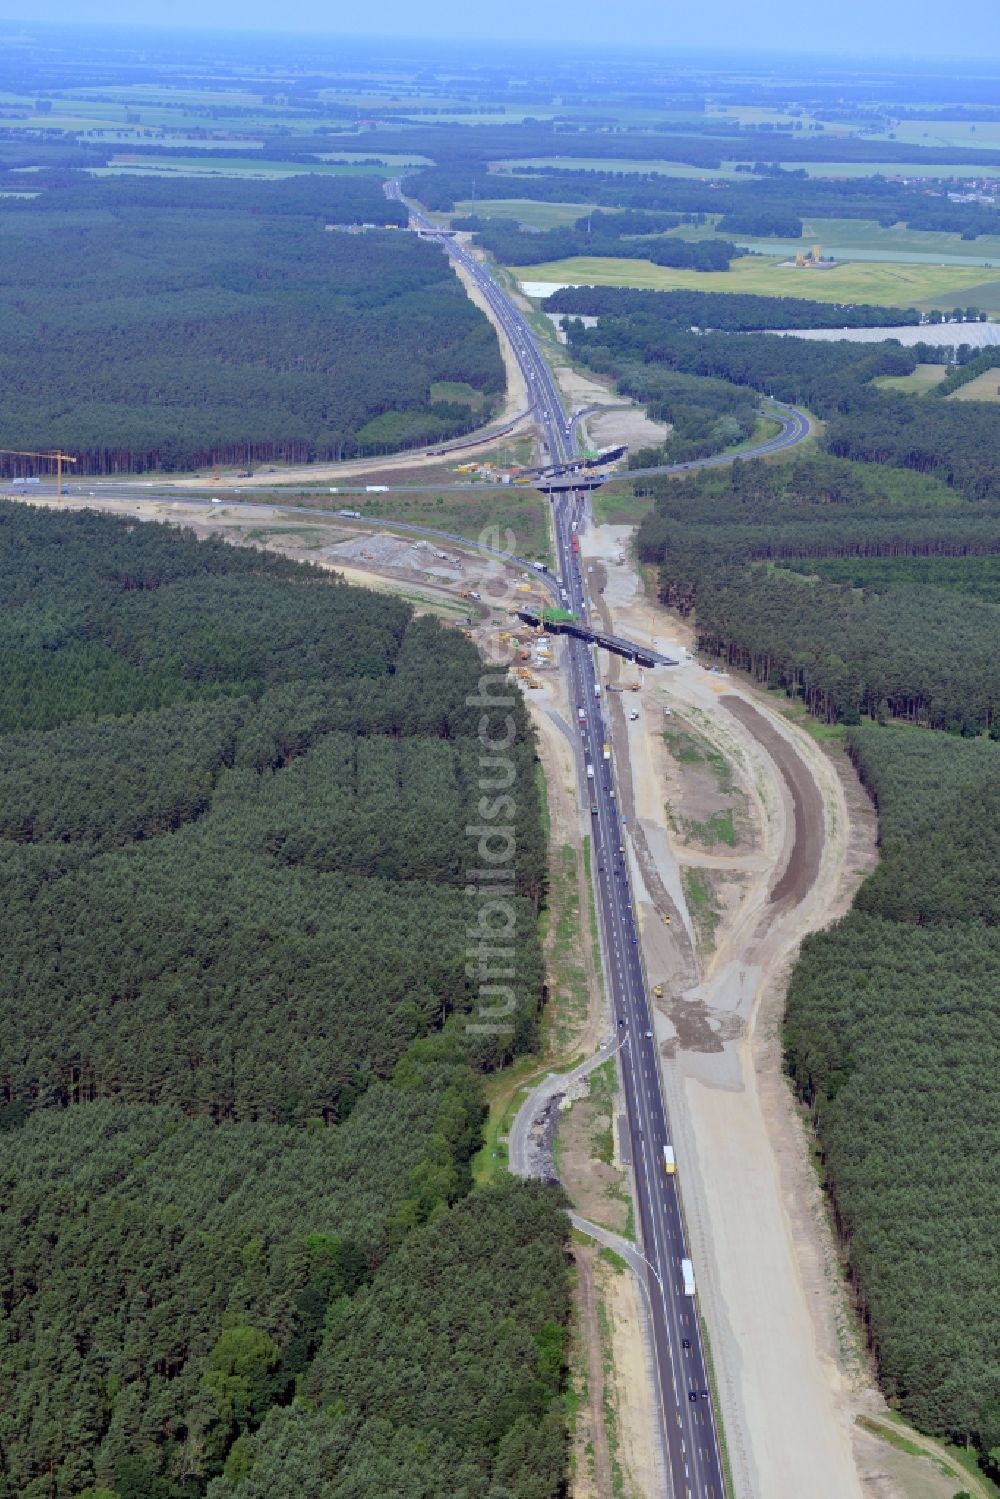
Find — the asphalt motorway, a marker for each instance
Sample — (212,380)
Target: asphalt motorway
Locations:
(690,1440)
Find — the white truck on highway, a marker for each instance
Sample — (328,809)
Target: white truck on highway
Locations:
(669,1164)
(687,1273)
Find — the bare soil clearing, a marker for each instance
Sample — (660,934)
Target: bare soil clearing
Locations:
(628,424)
(618,420)
(596,1188)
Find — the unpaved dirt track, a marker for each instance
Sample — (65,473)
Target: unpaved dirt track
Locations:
(600,1486)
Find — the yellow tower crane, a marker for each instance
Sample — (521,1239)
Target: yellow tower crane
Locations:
(59,456)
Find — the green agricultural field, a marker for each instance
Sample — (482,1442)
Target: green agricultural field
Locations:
(869,281)
(755,114)
(615,164)
(136,94)
(526,211)
(978,135)
(668,168)
(869,240)
(982,294)
(135,165)
(969,168)
(54,122)
(918,383)
(985,387)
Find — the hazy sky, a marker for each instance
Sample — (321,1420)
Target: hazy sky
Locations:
(885,28)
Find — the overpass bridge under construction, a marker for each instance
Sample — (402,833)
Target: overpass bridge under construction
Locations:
(615,643)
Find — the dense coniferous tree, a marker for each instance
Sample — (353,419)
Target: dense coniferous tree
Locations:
(236,1078)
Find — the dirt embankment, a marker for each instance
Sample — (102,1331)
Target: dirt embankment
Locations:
(802,868)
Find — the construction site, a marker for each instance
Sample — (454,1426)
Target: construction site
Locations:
(811,260)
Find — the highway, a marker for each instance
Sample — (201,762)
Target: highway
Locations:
(682,1395)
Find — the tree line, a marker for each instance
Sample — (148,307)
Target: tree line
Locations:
(727,311)
(738,549)
(892,1038)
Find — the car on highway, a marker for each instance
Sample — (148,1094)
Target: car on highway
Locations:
(685,1342)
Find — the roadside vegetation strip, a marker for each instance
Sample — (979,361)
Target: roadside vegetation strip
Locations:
(948,1460)
(720,1427)
(699,896)
(561,931)
(610,1403)
(569,979)
(595,940)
